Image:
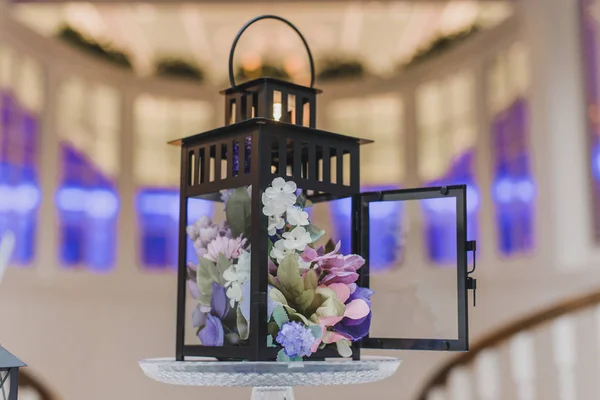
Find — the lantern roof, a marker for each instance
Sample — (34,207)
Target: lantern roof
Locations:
(255,82)
(8,360)
(265,121)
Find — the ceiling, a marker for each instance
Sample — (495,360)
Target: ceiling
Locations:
(379,33)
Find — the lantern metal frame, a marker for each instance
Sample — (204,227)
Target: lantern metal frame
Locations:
(291,148)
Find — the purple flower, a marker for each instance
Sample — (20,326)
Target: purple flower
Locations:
(356,329)
(212,333)
(219,304)
(296,339)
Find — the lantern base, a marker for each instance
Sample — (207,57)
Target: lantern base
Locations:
(273,393)
(270,380)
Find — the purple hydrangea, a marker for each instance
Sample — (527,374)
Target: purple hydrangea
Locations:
(296,339)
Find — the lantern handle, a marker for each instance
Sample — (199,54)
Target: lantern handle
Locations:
(285,21)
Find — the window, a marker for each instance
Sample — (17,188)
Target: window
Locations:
(589,16)
(87,197)
(20,105)
(447,130)
(380,119)
(157,171)
(513,190)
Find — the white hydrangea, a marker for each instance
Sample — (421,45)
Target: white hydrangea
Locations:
(297,216)
(297,239)
(235,276)
(279,251)
(277,198)
(275,222)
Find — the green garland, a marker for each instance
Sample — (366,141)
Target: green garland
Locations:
(333,68)
(441,45)
(270,70)
(178,68)
(90,46)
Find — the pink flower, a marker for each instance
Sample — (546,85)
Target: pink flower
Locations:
(230,248)
(334,267)
(357,309)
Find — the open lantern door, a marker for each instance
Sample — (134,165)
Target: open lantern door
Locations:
(418,305)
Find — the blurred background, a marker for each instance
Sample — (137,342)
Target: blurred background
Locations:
(499,95)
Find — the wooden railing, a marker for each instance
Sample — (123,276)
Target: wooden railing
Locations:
(550,354)
(30,388)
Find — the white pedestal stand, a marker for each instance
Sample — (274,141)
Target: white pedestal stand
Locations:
(269,380)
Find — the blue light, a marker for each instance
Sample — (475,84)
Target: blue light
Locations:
(596,162)
(165,203)
(20,195)
(384,229)
(525,190)
(71,199)
(514,189)
(503,190)
(158,219)
(440,205)
(97,203)
(21,199)
(473,199)
(507,190)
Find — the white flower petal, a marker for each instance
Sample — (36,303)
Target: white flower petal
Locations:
(278,183)
(290,187)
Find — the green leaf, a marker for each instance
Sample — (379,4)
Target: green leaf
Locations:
(296,316)
(273,329)
(278,297)
(315,233)
(215,276)
(222,263)
(301,200)
(204,281)
(305,300)
(281,356)
(332,307)
(311,280)
(238,212)
(317,331)
(296,359)
(242,325)
(270,341)
(329,246)
(272,281)
(343,347)
(289,277)
(280,316)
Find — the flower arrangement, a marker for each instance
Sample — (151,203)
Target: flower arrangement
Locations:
(313,299)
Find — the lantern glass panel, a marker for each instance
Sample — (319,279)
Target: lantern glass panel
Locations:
(429,303)
(218,268)
(424,297)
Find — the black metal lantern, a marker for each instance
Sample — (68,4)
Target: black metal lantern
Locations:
(270,132)
(9,374)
